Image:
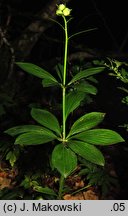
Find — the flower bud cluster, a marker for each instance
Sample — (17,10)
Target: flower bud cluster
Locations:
(62,10)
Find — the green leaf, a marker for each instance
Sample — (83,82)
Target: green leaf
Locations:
(86,122)
(86,73)
(49,82)
(27,128)
(46,119)
(11,156)
(34,138)
(100,137)
(87,151)
(59,69)
(64,160)
(86,87)
(9,194)
(44,190)
(36,71)
(73,100)
(26,183)
(81,32)
(84,172)
(92,79)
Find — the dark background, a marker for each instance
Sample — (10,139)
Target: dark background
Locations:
(110,17)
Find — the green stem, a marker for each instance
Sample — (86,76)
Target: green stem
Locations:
(64,77)
(61,185)
(81,189)
(64,120)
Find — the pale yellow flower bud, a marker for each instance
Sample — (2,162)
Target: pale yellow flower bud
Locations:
(62,10)
(66,12)
(59,12)
(61,7)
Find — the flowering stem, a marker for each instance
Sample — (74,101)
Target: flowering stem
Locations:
(64,99)
(64,76)
(63,11)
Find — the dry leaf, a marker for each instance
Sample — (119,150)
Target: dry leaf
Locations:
(90,195)
(77,196)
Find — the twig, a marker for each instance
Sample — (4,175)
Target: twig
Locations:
(5,41)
